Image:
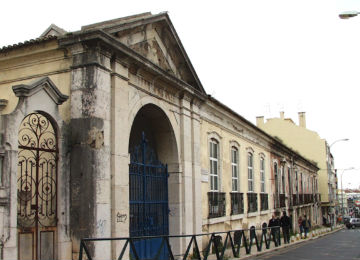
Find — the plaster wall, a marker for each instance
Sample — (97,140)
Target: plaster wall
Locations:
(246,141)
(308,143)
(22,66)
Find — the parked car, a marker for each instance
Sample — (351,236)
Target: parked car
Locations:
(354,222)
(346,219)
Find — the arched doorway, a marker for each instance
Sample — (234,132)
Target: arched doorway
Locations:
(37,187)
(152,149)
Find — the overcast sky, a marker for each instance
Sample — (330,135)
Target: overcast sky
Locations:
(259,57)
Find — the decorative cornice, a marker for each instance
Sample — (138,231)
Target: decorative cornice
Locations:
(42,84)
(110,42)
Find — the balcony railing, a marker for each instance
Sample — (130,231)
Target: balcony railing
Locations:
(216,204)
(282,200)
(295,200)
(301,199)
(237,203)
(308,198)
(252,202)
(264,201)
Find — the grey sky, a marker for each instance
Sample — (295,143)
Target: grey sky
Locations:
(257,56)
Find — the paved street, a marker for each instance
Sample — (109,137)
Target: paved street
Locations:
(344,244)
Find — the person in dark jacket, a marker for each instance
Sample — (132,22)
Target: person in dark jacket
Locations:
(306,225)
(274,224)
(285,224)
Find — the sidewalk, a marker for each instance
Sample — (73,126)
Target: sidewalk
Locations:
(294,241)
(315,234)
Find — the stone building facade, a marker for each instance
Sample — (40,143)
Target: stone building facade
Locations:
(248,175)
(106,132)
(310,145)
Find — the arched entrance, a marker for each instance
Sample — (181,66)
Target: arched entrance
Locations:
(37,187)
(152,148)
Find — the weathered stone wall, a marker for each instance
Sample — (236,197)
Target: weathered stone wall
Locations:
(90,175)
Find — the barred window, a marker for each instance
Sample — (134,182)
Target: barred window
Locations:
(216,204)
(264,204)
(276,178)
(235,169)
(237,203)
(214,165)
(252,202)
(262,175)
(250,173)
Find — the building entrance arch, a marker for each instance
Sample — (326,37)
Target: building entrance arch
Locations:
(152,148)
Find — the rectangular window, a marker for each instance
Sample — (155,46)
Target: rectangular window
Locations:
(214,165)
(252,202)
(235,169)
(289,180)
(237,203)
(1,170)
(250,173)
(264,204)
(283,188)
(296,183)
(262,175)
(216,204)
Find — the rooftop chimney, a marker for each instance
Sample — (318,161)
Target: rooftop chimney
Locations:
(259,121)
(302,119)
(282,115)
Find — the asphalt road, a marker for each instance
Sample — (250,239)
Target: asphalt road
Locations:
(344,244)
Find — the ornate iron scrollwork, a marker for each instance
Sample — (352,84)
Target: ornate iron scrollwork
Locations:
(37,172)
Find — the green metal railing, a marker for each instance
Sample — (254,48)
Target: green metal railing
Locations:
(234,240)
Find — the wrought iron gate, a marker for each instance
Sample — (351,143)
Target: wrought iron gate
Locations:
(148,186)
(36,188)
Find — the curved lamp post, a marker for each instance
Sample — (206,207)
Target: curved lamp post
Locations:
(344,139)
(339,140)
(348,14)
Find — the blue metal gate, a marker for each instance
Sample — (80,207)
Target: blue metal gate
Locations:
(148,185)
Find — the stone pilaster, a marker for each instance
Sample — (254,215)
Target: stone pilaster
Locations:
(196,168)
(120,159)
(90,152)
(186,139)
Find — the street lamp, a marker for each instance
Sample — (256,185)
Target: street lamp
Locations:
(332,219)
(342,192)
(348,14)
(344,139)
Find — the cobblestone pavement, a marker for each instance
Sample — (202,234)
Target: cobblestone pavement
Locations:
(343,244)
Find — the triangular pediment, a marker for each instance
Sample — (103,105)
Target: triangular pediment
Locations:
(153,37)
(43,84)
(53,30)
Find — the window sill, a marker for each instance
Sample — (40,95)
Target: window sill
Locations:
(236,217)
(264,212)
(211,221)
(252,214)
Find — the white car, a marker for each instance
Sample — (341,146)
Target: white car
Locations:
(354,222)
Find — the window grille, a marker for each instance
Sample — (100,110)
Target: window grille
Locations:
(216,204)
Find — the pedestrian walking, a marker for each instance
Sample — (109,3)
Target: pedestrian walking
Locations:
(274,224)
(306,225)
(300,220)
(285,225)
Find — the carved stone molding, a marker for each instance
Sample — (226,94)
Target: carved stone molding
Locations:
(3,104)
(44,83)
